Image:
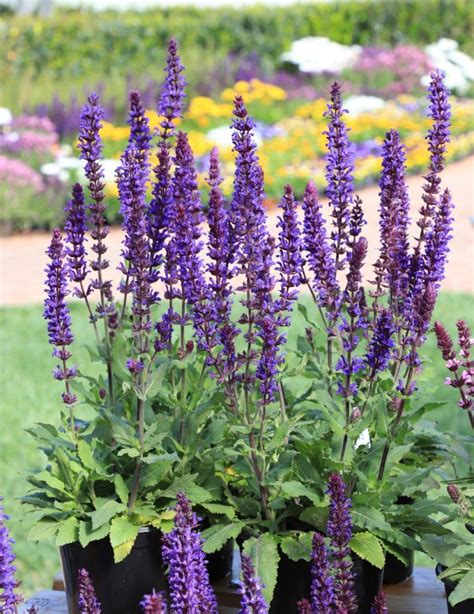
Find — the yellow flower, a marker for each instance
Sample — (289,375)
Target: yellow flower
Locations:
(109,132)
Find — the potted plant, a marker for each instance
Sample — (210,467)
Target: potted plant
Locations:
(140,429)
(454,553)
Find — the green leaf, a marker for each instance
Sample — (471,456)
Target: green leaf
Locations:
(464,589)
(68,531)
(106,511)
(294,490)
(219,534)
(265,556)
(122,530)
(297,548)
(50,480)
(43,530)
(196,494)
(217,508)
(369,548)
(87,534)
(121,488)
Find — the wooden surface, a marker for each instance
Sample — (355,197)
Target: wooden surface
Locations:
(421,594)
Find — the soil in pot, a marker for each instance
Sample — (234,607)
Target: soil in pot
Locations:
(395,571)
(294,582)
(465,607)
(119,586)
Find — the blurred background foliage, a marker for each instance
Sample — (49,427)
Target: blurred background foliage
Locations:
(74,48)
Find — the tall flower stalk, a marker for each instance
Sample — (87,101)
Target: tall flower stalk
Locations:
(190,590)
(252,600)
(9,598)
(58,318)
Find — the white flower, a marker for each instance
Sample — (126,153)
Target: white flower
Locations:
(457,66)
(363,104)
(51,169)
(318,54)
(5,116)
(222,136)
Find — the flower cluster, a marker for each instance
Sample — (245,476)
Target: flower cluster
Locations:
(9,599)
(460,365)
(87,601)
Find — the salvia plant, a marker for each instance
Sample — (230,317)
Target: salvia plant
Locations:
(196,388)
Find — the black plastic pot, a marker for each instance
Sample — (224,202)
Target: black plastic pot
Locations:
(119,586)
(395,571)
(465,607)
(294,582)
(219,564)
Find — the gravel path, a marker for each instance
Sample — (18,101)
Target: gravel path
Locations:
(22,258)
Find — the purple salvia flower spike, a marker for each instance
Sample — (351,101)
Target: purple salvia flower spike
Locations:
(289,261)
(304,607)
(76,228)
(252,600)
(393,263)
(339,175)
(8,584)
(87,602)
(131,181)
(90,145)
(322,590)
(437,240)
(57,315)
(382,343)
(155,603)
(319,256)
(339,530)
(438,138)
(190,590)
(172,98)
(140,135)
(379,605)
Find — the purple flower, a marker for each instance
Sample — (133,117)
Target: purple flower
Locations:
(379,605)
(437,240)
(322,592)
(172,98)
(190,590)
(339,175)
(304,607)
(56,312)
(252,601)
(90,145)
(186,219)
(131,180)
(8,584)
(393,262)
(382,342)
(289,261)
(339,530)
(154,604)
(87,601)
(319,255)
(140,136)
(76,228)
(438,138)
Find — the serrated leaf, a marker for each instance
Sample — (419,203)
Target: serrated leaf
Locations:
(43,530)
(264,553)
(122,530)
(464,589)
(219,534)
(68,531)
(121,488)
(50,480)
(87,534)
(123,550)
(295,490)
(369,548)
(106,511)
(196,494)
(219,509)
(297,548)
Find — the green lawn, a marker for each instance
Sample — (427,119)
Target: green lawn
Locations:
(29,394)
